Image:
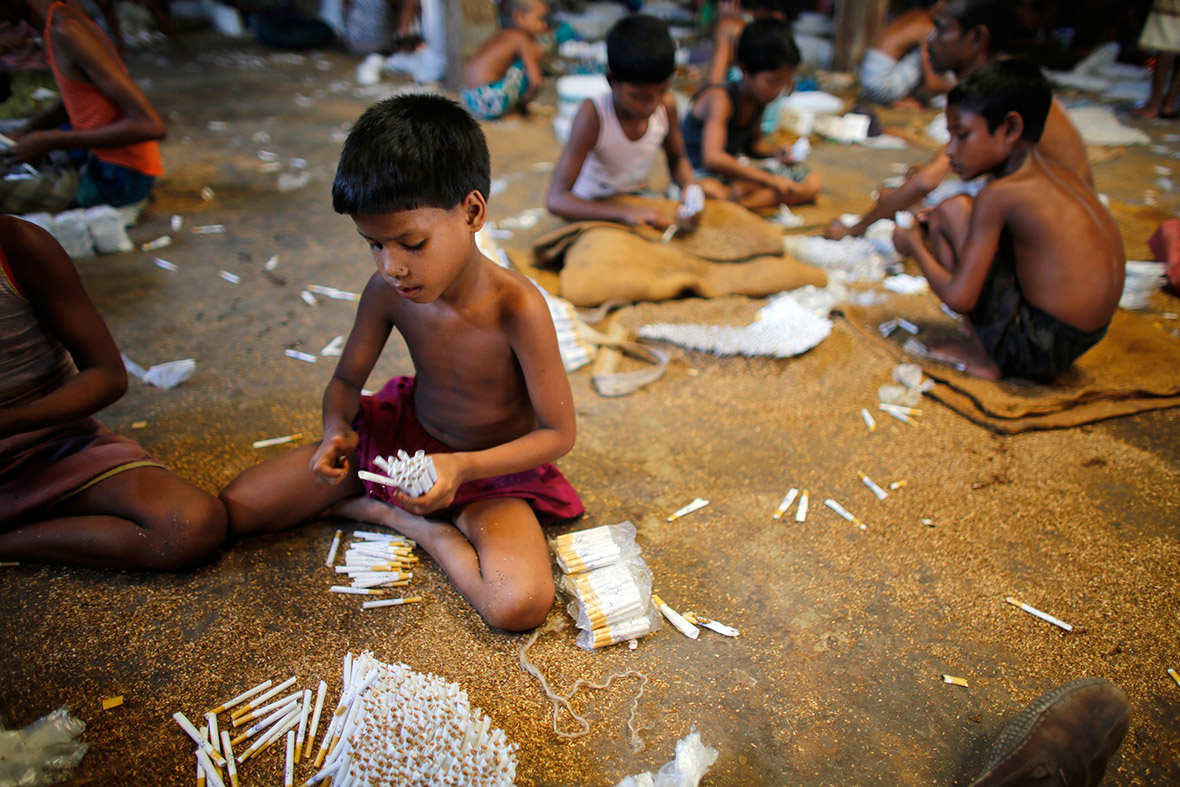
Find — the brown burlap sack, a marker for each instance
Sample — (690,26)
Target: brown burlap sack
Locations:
(1134,369)
(613,263)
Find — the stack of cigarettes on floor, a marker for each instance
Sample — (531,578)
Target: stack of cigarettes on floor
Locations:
(264,722)
(413,475)
(609,583)
(375,562)
(394,726)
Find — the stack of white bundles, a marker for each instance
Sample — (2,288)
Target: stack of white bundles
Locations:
(395,726)
(1144,279)
(861,258)
(609,583)
(107,230)
(414,475)
(72,231)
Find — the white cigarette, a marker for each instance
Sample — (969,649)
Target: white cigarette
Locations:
(792,493)
(839,509)
(315,718)
(695,505)
(332,292)
(261,699)
(356,591)
(177,222)
(232,278)
(872,485)
(869,420)
(720,628)
(300,356)
(1045,616)
(907,325)
(243,696)
(214,738)
(276,440)
(333,348)
(390,602)
(901,408)
(201,781)
(1174,675)
(265,709)
(898,415)
(209,229)
(951,679)
(211,774)
(281,726)
(272,263)
(289,770)
(158,243)
(801,512)
(308,298)
(676,619)
(198,739)
(304,711)
(228,751)
(334,548)
(168,266)
(365,475)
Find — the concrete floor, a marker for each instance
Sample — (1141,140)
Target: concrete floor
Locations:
(845,634)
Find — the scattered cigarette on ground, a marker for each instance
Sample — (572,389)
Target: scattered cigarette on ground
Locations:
(333,348)
(177,223)
(158,243)
(391,602)
(112,702)
(245,695)
(300,356)
(801,511)
(277,440)
(897,485)
(785,505)
(870,422)
(695,505)
(332,292)
(308,298)
(9,563)
(872,485)
(168,266)
(232,278)
(1174,675)
(335,547)
(209,229)
(1045,616)
(676,619)
(951,679)
(272,263)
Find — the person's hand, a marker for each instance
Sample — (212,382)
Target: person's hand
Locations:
(638,215)
(907,239)
(330,461)
(836,230)
(29,146)
(713,189)
(783,154)
(447,471)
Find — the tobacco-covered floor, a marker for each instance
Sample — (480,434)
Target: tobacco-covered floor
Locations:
(836,677)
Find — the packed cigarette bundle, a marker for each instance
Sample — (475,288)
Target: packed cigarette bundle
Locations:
(413,475)
(374,562)
(609,583)
(395,726)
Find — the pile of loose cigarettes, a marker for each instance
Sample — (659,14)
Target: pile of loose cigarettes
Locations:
(395,726)
(373,563)
(392,726)
(414,475)
(609,582)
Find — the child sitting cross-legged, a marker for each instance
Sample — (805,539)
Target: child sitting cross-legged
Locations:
(614,137)
(724,123)
(489,400)
(505,71)
(1035,262)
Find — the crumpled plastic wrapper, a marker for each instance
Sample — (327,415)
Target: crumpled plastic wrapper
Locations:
(163,375)
(693,759)
(912,384)
(43,753)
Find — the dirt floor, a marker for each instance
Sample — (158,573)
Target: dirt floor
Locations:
(836,677)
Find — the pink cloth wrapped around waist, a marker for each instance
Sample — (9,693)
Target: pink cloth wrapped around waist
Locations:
(387,421)
(42,467)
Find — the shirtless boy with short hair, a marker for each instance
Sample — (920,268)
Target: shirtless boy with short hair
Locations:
(505,72)
(1035,262)
(490,402)
(969,34)
(898,62)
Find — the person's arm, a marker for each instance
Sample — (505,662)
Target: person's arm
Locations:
(44,272)
(723,46)
(530,333)
(923,181)
(561,200)
(933,81)
(53,117)
(958,283)
(406,16)
(718,108)
(342,397)
(139,122)
(530,54)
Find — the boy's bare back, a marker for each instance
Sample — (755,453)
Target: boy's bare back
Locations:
(1067,248)
(904,33)
(491,61)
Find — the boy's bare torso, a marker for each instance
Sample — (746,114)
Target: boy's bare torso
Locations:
(904,33)
(470,391)
(491,61)
(1068,251)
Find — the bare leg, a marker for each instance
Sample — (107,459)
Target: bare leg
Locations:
(949,223)
(144,518)
(1164,61)
(282,492)
(495,554)
(1169,103)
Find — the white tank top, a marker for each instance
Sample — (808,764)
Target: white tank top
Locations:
(616,164)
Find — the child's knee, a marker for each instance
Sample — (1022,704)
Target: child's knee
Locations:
(520,609)
(185,532)
(951,212)
(808,189)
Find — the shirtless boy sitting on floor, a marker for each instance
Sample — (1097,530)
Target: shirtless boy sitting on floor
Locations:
(1035,262)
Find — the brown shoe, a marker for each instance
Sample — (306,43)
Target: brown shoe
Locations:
(1064,737)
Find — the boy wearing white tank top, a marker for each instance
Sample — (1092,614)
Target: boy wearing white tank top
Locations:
(614,137)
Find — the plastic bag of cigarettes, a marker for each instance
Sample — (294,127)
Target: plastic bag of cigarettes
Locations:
(45,752)
(400,727)
(609,583)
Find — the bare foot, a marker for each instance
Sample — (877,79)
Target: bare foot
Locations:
(425,532)
(967,356)
(1146,112)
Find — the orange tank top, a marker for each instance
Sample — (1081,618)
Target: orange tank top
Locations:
(88,108)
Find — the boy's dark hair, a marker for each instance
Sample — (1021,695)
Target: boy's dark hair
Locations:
(766,45)
(787,9)
(640,50)
(1002,87)
(509,8)
(998,16)
(416,150)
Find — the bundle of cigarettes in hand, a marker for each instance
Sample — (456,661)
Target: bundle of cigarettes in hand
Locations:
(413,475)
(395,726)
(373,562)
(609,582)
